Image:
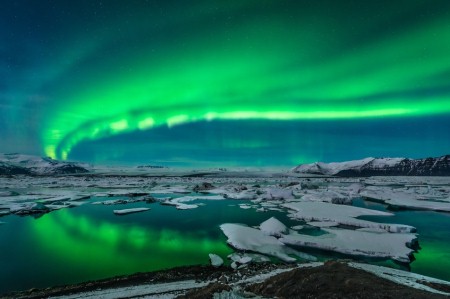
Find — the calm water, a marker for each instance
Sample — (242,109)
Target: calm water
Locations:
(90,242)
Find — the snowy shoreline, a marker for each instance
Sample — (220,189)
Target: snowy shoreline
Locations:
(186,281)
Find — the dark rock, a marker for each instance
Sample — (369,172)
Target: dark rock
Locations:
(206,292)
(68,168)
(8,169)
(37,208)
(309,186)
(334,280)
(150,199)
(203,187)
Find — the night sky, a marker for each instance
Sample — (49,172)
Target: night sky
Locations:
(225,83)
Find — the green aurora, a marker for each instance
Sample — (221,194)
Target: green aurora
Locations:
(114,68)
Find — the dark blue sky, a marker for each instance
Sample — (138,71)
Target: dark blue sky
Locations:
(224,83)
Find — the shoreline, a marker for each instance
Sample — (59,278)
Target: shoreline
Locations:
(340,278)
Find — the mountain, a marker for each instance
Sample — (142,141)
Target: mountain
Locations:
(11,164)
(8,169)
(380,166)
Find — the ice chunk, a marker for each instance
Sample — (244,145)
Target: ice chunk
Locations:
(248,257)
(129,211)
(297,227)
(245,207)
(280,194)
(273,227)
(323,223)
(182,206)
(215,260)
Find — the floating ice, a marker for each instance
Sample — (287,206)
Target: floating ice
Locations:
(273,227)
(216,261)
(408,198)
(342,214)
(279,194)
(246,238)
(358,243)
(129,211)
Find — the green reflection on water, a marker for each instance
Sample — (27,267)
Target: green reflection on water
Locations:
(90,242)
(100,247)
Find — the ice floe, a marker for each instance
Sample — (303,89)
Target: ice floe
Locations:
(358,243)
(130,211)
(409,198)
(182,203)
(216,261)
(246,238)
(344,215)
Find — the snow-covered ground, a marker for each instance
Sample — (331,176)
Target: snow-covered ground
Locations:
(173,289)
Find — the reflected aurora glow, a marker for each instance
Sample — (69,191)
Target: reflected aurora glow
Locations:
(125,248)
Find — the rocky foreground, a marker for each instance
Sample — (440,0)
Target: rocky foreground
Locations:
(334,279)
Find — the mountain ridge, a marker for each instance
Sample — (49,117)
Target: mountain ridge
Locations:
(12,164)
(438,166)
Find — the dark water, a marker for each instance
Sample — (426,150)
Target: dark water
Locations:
(90,242)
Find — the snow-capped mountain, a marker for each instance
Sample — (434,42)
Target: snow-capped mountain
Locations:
(26,164)
(380,166)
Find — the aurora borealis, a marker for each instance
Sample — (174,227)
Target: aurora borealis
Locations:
(225,82)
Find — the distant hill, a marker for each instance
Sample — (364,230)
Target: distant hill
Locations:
(379,167)
(11,164)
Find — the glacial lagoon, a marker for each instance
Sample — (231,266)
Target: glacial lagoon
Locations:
(90,242)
